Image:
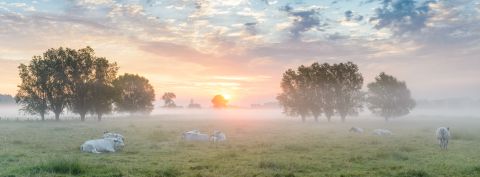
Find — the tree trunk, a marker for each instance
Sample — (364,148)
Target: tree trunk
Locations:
(343,117)
(82,117)
(57,116)
(303,118)
(42,116)
(316,118)
(99,117)
(329,118)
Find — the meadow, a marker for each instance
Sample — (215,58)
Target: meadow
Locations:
(272,146)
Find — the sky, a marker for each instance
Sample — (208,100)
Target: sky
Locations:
(199,48)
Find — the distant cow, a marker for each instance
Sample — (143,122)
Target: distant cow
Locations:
(218,136)
(194,135)
(113,135)
(382,132)
(356,130)
(443,135)
(102,145)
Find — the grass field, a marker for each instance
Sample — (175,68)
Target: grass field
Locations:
(255,147)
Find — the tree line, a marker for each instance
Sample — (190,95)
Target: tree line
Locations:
(78,80)
(335,89)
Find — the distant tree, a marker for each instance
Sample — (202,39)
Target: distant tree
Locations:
(295,97)
(32,91)
(6,99)
(103,91)
(388,97)
(134,94)
(168,99)
(347,83)
(219,101)
(79,71)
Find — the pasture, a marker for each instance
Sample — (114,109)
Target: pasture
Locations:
(273,146)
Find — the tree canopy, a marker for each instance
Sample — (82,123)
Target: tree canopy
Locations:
(322,88)
(388,97)
(134,94)
(168,99)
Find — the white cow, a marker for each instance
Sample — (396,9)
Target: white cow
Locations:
(102,145)
(443,135)
(113,135)
(356,130)
(382,132)
(194,135)
(218,136)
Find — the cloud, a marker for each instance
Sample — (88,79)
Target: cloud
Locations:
(350,16)
(402,16)
(303,20)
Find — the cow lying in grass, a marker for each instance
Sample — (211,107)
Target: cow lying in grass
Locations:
(194,135)
(111,142)
(382,132)
(356,130)
(218,136)
(113,135)
(102,145)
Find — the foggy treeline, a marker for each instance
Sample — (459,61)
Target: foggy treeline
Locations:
(81,82)
(335,89)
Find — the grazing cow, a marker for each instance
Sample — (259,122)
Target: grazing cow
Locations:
(194,135)
(382,132)
(102,145)
(113,135)
(356,130)
(218,136)
(443,135)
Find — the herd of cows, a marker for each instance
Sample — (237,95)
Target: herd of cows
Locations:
(112,142)
(442,134)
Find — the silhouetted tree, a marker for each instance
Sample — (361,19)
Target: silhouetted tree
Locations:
(347,82)
(168,99)
(80,66)
(388,97)
(134,94)
(295,97)
(103,91)
(219,101)
(32,91)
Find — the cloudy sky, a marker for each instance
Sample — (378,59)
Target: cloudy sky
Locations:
(198,48)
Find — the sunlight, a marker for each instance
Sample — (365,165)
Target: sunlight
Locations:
(227,96)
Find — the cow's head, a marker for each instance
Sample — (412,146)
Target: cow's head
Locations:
(118,143)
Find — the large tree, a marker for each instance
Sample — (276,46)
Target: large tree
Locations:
(80,77)
(103,91)
(388,97)
(295,97)
(32,91)
(168,99)
(134,94)
(347,83)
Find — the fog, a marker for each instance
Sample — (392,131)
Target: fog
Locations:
(12,112)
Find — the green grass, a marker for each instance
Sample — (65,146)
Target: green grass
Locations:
(273,147)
